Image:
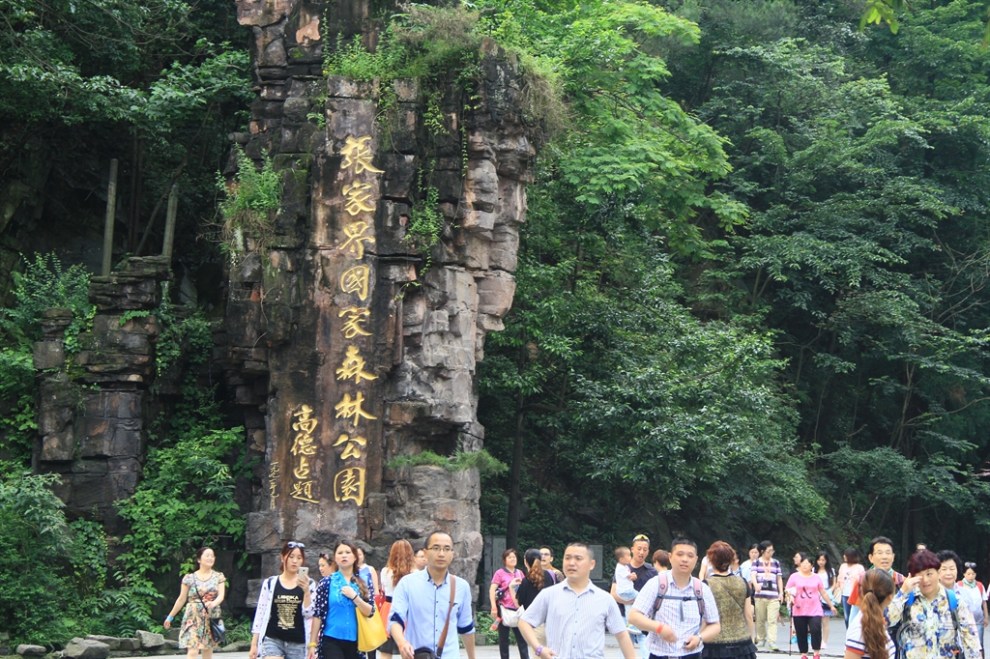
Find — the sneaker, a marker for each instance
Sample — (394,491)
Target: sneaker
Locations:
(804,656)
(774,648)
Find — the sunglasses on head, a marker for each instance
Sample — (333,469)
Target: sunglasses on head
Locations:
(292,544)
(641,536)
(971,566)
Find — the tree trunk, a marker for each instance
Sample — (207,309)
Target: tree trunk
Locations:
(512,523)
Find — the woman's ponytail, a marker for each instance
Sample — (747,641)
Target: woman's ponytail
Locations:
(875,589)
(535,570)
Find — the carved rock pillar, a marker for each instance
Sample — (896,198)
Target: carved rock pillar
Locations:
(346,349)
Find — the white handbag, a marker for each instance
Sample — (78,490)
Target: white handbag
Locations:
(510,617)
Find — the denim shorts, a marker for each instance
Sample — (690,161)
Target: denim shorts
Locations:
(274,647)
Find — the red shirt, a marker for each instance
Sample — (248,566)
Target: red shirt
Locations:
(854,595)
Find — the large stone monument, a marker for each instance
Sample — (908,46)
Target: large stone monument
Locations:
(349,346)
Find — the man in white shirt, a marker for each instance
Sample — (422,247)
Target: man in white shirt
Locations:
(675,623)
(577,613)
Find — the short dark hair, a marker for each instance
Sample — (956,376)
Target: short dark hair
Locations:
(764,545)
(852,555)
(591,552)
(921,560)
(429,538)
(683,541)
(879,540)
(662,556)
(949,555)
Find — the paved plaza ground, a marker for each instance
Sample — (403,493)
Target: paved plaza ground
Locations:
(833,649)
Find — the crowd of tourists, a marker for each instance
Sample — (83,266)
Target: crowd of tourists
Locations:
(663,605)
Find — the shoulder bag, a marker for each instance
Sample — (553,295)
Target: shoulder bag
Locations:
(427,653)
(370,630)
(510,617)
(217,630)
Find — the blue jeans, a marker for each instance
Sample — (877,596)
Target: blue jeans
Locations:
(276,647)
(846,608)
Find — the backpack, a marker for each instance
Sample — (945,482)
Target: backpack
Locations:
(896,630)
(663,582)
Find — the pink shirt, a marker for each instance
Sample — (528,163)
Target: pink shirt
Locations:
(807,600)
(503,580)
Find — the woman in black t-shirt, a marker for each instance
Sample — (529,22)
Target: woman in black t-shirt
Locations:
(536,580)
(285,605)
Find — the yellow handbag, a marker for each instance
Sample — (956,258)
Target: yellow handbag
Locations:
(371,631)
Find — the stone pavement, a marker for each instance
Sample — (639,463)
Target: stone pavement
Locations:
(834,648)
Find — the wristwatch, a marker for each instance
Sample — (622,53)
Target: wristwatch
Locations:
(539,650)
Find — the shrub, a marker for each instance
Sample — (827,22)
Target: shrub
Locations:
(45,284)
(250,203)
(44,557)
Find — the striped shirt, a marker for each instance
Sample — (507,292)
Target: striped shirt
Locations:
(680,610)
(576,622)
(765,576)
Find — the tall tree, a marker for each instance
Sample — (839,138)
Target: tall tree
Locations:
(603,380)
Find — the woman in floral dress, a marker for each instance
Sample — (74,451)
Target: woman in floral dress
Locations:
(201,593)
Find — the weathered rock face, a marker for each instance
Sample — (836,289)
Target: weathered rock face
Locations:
(92,424)
(346,350)
(84,648)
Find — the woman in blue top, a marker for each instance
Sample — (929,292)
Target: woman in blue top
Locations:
(334,631)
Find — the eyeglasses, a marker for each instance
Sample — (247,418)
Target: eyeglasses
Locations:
(641,536)
(441,549)
(292,544)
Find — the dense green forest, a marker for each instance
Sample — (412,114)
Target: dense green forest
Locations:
(752,289)
(752,298)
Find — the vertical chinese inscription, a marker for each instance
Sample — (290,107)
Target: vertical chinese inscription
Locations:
(273,473)
(352,374)
(303,453)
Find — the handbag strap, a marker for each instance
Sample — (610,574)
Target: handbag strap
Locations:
(199,595)
(201,600)
(450,607)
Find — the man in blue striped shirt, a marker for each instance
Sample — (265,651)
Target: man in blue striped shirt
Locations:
(577,613)
(421,605)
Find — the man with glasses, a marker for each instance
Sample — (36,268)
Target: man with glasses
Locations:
(421,605)
(881,557)
(576,612)
(546,558)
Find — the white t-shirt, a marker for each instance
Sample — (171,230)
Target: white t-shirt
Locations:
(623,584)
(385,576)
(972,599)
(848,575)
(854,638)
